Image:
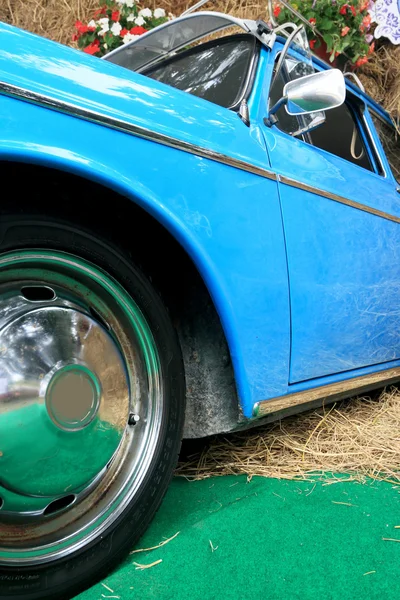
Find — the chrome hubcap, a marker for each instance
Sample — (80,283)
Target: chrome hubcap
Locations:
(80,403)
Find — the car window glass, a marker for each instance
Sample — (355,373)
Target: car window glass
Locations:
(216,72)
(390,140)
(340,135)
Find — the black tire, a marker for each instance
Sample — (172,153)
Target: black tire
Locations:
(69,575)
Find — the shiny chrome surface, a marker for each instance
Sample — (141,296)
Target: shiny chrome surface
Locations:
(75,363)
(320,91)
(339,390)
(54,370)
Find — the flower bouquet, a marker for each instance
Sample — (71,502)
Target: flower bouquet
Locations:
(116,22)
(344,28)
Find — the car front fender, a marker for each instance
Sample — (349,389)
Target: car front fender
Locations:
(227,220)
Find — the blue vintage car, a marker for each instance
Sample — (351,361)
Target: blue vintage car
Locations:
(206,218)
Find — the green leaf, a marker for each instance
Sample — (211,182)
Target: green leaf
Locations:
(325,24)
(328,41)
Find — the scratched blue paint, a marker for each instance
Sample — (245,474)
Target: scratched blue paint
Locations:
(248,235)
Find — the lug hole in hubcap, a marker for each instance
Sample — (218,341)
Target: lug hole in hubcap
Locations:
(59,504)
(38,293)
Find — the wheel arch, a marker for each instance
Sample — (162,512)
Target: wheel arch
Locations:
(183,274)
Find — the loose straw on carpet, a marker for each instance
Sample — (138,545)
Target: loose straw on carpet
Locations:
(354,440)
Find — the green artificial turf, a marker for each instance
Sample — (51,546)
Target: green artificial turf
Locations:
(274,540)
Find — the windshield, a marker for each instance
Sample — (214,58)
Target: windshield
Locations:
(216,71)
(167,39)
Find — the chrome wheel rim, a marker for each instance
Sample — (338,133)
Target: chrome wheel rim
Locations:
(81,404)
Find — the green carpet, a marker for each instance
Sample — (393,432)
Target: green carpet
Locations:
(273,539)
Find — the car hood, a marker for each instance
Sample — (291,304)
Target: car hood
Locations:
(62,73)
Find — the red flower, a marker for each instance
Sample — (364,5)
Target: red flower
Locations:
(312,44)
(361,61)
(115,15)
(124,31)
(138,30)
(92,48)
(364,6)
(99,11)
(277,10)
(81,27)
(313,21)
(343,10)
(75,37)
(371,48)
(345,31)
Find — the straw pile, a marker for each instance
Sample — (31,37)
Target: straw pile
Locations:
(359,438)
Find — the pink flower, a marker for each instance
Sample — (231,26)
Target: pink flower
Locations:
(345,31)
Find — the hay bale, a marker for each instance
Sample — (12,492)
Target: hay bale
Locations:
(382,77)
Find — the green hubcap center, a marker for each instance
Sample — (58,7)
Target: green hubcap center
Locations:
(72,397)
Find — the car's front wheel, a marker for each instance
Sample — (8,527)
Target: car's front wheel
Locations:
(91,406)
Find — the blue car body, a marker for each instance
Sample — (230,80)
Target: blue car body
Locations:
(299,249)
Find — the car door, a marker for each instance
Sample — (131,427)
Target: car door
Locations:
(341,216)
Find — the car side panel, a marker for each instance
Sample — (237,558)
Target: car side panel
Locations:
(228,220)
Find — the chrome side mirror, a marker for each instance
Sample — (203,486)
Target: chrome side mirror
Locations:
(316,92)
(320,91)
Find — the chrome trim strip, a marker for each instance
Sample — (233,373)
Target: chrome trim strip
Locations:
(378,154)
(330,392)
(19,93)
(309,188)
(92,116)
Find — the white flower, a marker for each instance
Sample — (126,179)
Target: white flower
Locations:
(130,3)
(116,29)
(104,24)
(92,23)
(139,21)
(159,13)
(130,17)
(145,12)
(105,46)
(129,37)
